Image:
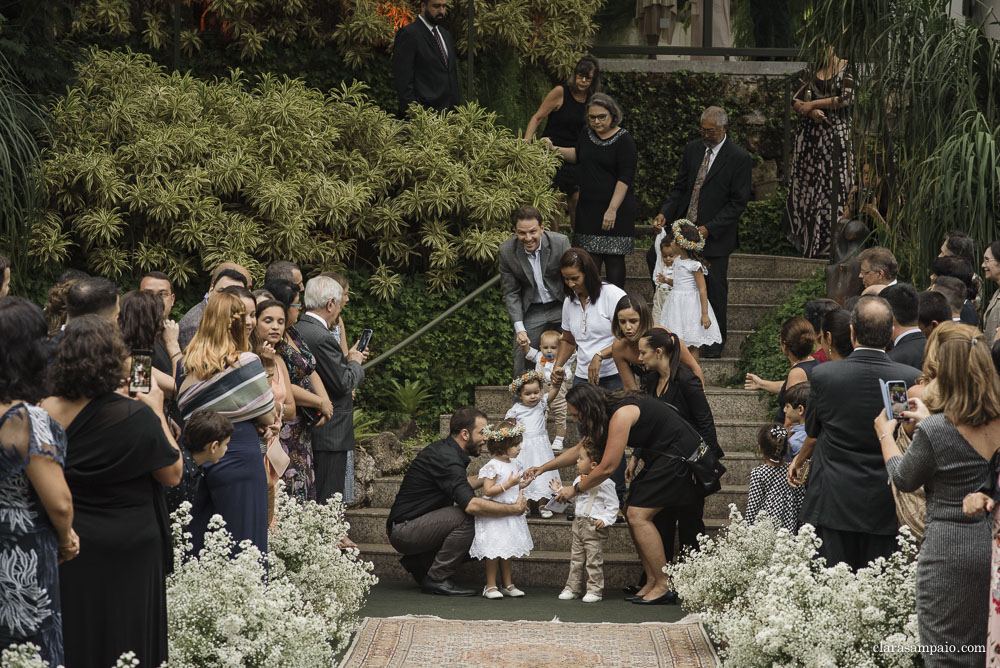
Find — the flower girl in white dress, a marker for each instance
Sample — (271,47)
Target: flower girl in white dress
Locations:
(686,311)
(498,539)
(529,410)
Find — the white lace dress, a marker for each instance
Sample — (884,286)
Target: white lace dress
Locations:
(501,537)
(536,449)
(681,312)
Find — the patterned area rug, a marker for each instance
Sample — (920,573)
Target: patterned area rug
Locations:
(442,643)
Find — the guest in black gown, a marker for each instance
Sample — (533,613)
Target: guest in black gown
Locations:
(661,438)
(605,215)
(565,115)
(119,454)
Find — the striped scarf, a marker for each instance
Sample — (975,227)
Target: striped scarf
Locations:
(240,392)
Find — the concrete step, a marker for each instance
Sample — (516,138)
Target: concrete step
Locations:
(758,290)
(747,316)
(734,342)
(720,372)
(539,569)
(742,265)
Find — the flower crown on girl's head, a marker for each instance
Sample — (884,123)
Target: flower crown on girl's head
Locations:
(491,432)
(519,382)
(687,244)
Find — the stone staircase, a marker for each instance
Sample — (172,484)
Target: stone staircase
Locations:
(756,284)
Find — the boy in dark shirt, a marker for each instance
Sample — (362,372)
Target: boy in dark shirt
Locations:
(206,439)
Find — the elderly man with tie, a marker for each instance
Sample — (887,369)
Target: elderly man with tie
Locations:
(532,283)
(711,190)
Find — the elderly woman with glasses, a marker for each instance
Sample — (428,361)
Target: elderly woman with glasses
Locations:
(605,215)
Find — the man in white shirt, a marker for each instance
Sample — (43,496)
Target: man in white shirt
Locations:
(532,283)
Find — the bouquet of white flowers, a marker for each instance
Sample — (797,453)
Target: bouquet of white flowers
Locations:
(768,601)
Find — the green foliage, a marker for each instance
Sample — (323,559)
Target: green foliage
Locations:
(18,164)
(472,347)
(551,34)
(409,397)
(365,425)
(663,115)
(928,105)
(761,354)
(761,227)
(156,171)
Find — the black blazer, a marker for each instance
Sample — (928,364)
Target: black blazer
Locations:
(686,394)
(519,280)
(339,378)
(724,194)
(847,488)
(910,350)
(418,71)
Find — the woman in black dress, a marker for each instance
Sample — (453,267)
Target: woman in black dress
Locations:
(797,340)
(823,101)
(565,109)
(605,215)
(659,437)
(120,452)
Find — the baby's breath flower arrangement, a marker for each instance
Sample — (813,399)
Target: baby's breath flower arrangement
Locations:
(768,601)
(29,655)
(304,549)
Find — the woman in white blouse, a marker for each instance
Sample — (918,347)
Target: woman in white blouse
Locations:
(587,312)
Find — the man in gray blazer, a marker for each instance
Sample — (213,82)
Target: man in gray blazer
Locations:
(532,282)
(331,442)
(848,498)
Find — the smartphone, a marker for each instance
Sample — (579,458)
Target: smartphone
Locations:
(140,377)
(366,336)
(894,398)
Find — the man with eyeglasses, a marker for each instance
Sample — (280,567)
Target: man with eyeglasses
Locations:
(423,61)
(711,190)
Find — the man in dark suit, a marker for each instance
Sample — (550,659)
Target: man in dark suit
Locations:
(423,61)
(907,340)
(532,282)
(847,498)
(323,301)
(711,190)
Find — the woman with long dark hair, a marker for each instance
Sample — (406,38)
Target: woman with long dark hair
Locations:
(631,321)
(662,439)
(120,452)
(140,319)
(565,109)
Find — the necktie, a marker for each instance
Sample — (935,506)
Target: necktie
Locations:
(437,36)
(698,181)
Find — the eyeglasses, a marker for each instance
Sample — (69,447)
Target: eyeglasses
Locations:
(709,132)
(597,117)
(987,260)
(870,271)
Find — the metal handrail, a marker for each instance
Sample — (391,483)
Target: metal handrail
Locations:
(432,324)
(727,52)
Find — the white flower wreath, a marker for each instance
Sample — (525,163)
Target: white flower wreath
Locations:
(687,244)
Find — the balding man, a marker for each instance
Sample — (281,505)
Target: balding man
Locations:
(711,190)
(848,499)
(226,274)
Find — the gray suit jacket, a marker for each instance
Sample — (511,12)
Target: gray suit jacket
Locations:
(847,488)
(518,279)
(188,325)
(339,378)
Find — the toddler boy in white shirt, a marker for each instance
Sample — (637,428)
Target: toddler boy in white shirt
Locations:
(596,510)
(663,272)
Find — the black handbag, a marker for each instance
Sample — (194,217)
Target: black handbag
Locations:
(703,463)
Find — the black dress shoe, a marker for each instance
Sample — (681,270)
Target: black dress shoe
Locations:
(570,516)
(631,590)
(712,352)
(668,598)
(445,588)
(633,597)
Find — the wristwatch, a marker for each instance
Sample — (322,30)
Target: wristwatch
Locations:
(576,487)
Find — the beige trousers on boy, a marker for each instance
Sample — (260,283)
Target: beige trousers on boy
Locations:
(587,553)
